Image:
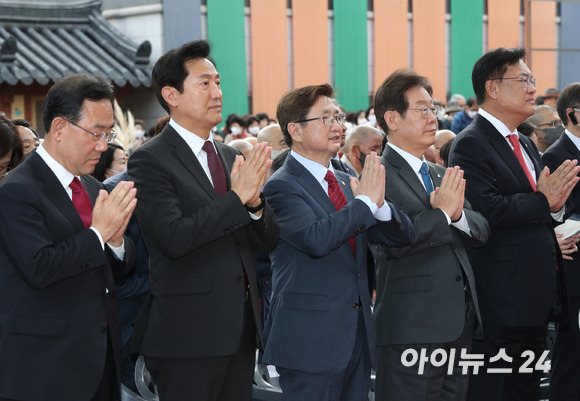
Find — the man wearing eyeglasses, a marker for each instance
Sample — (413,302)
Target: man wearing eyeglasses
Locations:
(548,126)
(426,298)
(319,331)
(564,383)
(61,245)
(518,271)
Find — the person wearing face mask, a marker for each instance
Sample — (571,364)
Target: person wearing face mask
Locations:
(463,118)
(361,117)
(252,126)
(360,143)
(272,134)
(548,126)
(234,128)
(371,116)
(564,384)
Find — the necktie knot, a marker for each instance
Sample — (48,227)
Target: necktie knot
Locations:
(330,178)
(208,147)
(514,140)
(76,185)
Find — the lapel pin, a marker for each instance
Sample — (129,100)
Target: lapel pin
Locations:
(438,175)
(342,182)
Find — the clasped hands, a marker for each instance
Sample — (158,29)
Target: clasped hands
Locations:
(558,185)
(450,195)
(112,212)
(249,176)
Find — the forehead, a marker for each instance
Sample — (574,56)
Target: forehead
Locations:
(324,105)
(25,133)
(200,67)
(549,115)
(98,113)
(518,69)
(417,95)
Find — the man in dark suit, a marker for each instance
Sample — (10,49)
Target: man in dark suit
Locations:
(201,214)
(431,279)
(60,248)
(319,333)
(517,271)
(564,384)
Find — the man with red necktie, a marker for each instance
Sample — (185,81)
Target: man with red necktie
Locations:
(61,245)
(319,332)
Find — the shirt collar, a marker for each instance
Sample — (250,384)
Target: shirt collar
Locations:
(314,168)
(575,140)
(413,161)
(501,127)
(63,175)
(194,141)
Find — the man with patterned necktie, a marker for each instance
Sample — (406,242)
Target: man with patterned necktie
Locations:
(319,333)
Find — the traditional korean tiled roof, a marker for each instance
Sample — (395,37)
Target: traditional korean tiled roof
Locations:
(41,43)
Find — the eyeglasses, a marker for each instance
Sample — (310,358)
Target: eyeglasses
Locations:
(526,80)
(426,110)
(327,120)
(553,124)
(108,136)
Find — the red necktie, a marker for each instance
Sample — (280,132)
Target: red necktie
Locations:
(518,151)
(216,169)
(338,199)
(81,201)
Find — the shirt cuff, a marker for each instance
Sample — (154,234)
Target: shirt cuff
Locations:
(382,214)
(119,251)
(559,215)
(254,217)
(462,224)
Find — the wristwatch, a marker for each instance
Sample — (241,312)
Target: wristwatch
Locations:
(257,208)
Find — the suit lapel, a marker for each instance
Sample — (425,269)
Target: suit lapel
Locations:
(54,192)
(227,160)
(188,159)
(309,183)
(504,150)
(570,147)
(407,174)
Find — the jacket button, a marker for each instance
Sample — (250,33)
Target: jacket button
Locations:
(104,330)
(457,278)
(355,306)
(239,279)
(553,251)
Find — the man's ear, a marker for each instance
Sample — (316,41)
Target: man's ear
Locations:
(295,130)
(56,128)
(491,89)
(391,120)
(169,94)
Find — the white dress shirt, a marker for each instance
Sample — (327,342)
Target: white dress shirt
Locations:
(319,172)
(415,165)
(65,177)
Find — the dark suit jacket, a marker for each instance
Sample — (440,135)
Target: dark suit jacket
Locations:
(56,290)
(317,282)
(425,279)
(564,149)
(199,245)
(515,271)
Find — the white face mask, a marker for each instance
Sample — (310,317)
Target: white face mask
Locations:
(373,120)
(471,113)
(236,130)
(362,121)
(139,133)
(254,130)
(275,153)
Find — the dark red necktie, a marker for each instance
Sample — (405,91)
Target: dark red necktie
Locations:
(338,199)
(216,169)
(81,201)
(518,151)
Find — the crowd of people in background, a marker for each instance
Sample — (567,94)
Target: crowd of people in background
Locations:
(416,190)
